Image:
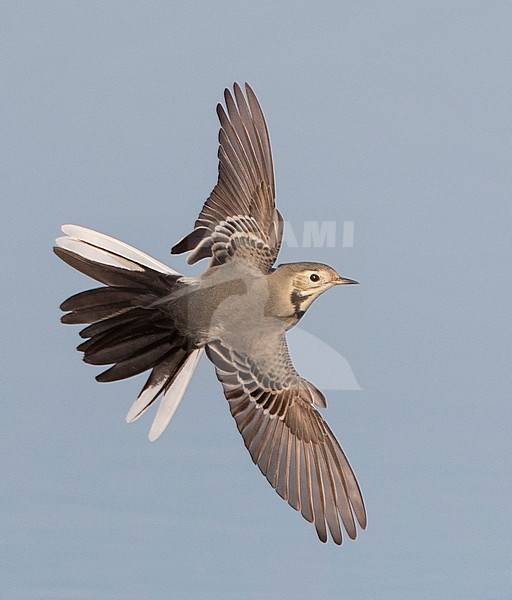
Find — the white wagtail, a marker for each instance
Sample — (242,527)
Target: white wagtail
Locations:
(148,317)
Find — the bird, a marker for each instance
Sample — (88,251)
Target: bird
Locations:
(147,317)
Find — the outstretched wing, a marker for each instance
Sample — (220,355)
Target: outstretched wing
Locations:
(288,439)
(239,220)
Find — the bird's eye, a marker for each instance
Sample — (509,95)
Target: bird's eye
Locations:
(314,277)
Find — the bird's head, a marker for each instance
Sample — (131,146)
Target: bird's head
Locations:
(306,281)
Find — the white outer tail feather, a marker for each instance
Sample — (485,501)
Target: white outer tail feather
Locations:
(107,250)
(172,397)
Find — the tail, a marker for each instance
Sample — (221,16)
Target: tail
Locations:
(126,327)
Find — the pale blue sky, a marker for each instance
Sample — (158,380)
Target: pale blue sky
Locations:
(393,115)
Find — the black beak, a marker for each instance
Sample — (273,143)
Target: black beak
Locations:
(345,281)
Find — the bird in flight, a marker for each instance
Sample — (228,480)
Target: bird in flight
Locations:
(148,317)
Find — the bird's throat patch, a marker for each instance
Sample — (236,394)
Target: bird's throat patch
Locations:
(297,300)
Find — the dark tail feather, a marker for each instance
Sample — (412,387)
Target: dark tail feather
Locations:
(126,326)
